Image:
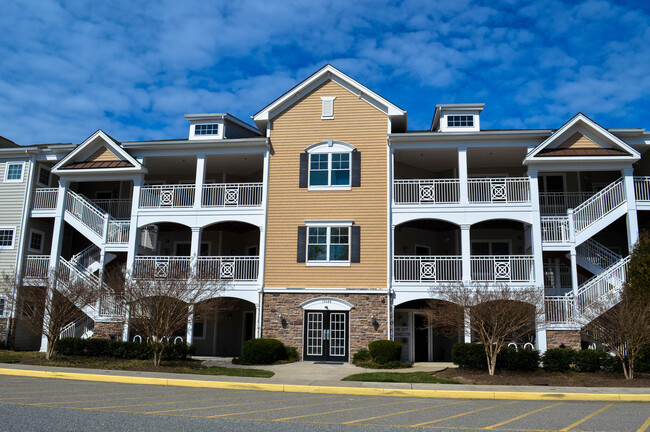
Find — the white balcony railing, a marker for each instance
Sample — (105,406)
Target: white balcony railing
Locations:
(559,309)
(642,188)
(555,229)
(427,268)
(557,203)
(232,195)
(117,208)
(118,231)
(85,212)
(507,268)
(499,190)
(162,267)
(45,199)
(228,268)
(416,192)
(111,305)
(167,196)
(36,266)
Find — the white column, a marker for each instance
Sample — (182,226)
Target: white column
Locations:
(465,250)
(46,316)
(630,197)
(125,330)
(258,320)
(200,179)
(57,232)
(574,274)
(468,329)
(132,251)
(462,175)
(260,252)
(195,248)
(540,330)
(189,338)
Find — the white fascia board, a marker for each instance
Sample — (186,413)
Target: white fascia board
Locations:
(221,116)
(109,143)
(581,161)
(97,173)
(198,145)
(589,124)
(309,84)
(469,139)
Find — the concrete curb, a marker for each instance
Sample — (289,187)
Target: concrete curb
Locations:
(361,391)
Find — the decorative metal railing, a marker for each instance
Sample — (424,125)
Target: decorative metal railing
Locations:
(427,268)
(506,268)
(417,192)
(555,229)
(499,190)
(228,268)
(167,196)
(232,195)
(45,199)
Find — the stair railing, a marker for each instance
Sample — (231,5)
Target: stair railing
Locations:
(599,205)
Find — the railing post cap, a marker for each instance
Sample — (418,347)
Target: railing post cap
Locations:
(569,211)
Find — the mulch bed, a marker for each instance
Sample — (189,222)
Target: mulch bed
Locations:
(543,378)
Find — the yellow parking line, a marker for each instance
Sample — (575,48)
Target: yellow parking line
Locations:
(8,400)
(155,403)
(571,426)
(644,426)
(403,412)
(343,410)
(463,414)
(237,404)
(282,408)
(522,416)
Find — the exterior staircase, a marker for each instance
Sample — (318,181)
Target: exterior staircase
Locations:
(81,328)
(94,223)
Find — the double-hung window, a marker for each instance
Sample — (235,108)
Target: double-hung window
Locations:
(328,244)
(7,235)
(3,306)
(14,171)
(329,169)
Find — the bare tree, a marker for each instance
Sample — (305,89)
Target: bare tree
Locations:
(48,309)
(495,315)
(159,307)
(8,287)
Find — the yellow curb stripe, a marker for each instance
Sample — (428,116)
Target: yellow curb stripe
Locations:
(523,415)
(644,426)
(359,391)
(579,422)
(463,414)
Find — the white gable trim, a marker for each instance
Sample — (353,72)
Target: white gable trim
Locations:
(108,143)
(318,78)
(327,303)
(588,124)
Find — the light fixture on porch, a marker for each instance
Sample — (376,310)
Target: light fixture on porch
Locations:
(281,317)
(373,319)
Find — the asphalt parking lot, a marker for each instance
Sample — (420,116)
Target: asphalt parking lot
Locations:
(52,404)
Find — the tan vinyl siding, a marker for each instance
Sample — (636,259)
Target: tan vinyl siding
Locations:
(577,141)
(357,123)
(11,211)
(102,155)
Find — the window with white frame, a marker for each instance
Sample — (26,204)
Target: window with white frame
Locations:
(329,169)
(7,235)
(206,129)
(3,307)
(328,244)
(36,238)
(43,176)
(330,165)
(14,171)
(460,121)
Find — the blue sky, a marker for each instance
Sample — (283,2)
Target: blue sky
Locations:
(133,68)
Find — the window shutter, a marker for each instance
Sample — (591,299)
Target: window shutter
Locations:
(304,169)
(355,244)
(356,169)
(302,244)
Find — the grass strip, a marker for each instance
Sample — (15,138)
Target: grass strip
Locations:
(238,372)
(399,377)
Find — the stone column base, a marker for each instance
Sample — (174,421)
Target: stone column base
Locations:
(567,338)
(108,330)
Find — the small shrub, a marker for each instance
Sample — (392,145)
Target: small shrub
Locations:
(363,355)
(512,359)
(178,351)
(119,349)
(589,360)
(469,356)
(558,359)
(292,353)
(642,361)
(611,363)
(384,351)
(262,351)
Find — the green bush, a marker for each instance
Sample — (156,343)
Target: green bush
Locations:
(118,349)
(262,351)
(642,362)
(512,359)
(589,360)
(558,359)
(385,351)
(611,363)
(469,356)
(363,355)
(292,353)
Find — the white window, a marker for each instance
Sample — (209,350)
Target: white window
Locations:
(3,307)
(206,129)
(43,176)
(14,172)
(328,107)
(460,121)
(36,238)
(328,245)
(7,235)
(329,169)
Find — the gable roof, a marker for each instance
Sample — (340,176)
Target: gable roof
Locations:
(98,152)
(581,137)
(328,72)
(7,143)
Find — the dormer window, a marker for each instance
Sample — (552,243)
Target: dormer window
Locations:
(460,121)
(328,107)
(206,129)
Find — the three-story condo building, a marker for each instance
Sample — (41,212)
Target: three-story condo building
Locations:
(332,225)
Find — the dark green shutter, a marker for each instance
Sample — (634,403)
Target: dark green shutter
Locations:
(356,169)
(304,169)
(302,244)
(355,244)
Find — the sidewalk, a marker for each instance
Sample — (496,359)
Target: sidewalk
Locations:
(308,377)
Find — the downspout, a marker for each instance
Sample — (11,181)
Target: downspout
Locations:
(263,236)
(389,223)
(27,203)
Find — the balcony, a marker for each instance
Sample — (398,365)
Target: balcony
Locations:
(45,199)
(167,196)
(217,195)
(502,190)
(208,268)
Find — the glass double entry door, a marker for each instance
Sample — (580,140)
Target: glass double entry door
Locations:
(326,336)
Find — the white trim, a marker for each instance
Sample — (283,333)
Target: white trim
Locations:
(330,146)
(328,226)
(328,105)
(29,240)
(328,223)
(13,236)
(326,303)
(22,171)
